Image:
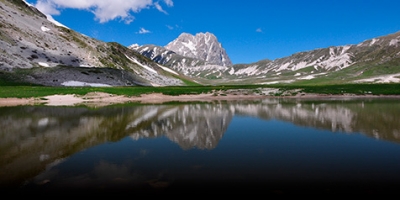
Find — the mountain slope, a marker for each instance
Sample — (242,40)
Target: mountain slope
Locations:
(168,58)
(32,46)
(374,60)
(374,57)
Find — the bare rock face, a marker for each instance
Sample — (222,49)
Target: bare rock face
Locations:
(203,46)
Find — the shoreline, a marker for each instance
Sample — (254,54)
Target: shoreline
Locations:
(104,99)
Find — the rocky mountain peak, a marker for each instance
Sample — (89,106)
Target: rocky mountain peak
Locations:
(203,46)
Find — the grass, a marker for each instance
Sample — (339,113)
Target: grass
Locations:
(41,91)
(357,89)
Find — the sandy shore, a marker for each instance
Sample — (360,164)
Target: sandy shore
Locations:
(104,99)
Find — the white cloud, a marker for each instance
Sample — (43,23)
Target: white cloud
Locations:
(143,31)
(259,30)
(129,19)
(47,8)
(159,8)
(173,27)
(169,3)
(104,10)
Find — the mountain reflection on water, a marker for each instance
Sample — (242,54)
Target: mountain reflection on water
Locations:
(34,139)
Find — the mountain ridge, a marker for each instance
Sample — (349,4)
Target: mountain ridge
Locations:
(368,55)
(37,51)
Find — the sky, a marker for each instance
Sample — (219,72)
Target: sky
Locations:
(249,31)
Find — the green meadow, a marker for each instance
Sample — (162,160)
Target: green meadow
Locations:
(26,91)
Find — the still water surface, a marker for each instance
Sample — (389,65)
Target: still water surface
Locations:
(265,145)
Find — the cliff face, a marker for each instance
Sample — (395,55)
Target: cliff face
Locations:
(203,46)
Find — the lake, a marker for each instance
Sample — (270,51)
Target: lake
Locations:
(274,145)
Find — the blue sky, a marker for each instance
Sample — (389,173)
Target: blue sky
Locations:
(249,31)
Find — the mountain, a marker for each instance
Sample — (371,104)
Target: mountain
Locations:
(168,58)
(36,50)
(203,46)
(187,50)
(195,56)
(374,60)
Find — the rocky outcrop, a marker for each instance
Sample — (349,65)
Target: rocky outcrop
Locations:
(203,46)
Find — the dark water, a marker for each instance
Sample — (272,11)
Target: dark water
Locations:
(269,146)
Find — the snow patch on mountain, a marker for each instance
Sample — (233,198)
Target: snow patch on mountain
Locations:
(338,58)
(134,46)
(43,64)
(394,42)
(341,61)
(283,66)
(80,83)
(301,65)
(309,77)
(190,45)
(140,64)
(45,29)
(168,70)
(373,41)
(251,70)
(391,78)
